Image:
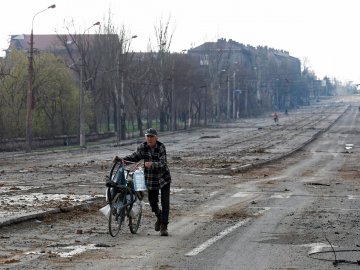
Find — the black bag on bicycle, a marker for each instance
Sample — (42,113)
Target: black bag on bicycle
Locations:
(117,175)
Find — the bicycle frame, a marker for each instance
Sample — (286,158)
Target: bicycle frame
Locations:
(121,197)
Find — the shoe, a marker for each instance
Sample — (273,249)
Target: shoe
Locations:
(157,225)
(158,222)
(163,230)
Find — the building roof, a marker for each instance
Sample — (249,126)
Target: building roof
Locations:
(220,44)
(41,42)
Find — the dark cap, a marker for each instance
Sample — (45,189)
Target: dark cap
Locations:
(151,132)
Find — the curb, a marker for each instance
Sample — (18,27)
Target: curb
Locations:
(43,213)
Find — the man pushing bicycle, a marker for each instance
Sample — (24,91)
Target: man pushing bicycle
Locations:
(157,176)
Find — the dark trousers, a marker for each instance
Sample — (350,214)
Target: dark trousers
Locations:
(153,197)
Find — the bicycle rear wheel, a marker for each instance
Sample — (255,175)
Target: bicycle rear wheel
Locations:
(117,214)
(135,217)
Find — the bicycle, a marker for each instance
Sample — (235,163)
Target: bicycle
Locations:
(125,202)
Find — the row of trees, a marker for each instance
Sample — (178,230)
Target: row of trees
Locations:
(127,90)
(54,98)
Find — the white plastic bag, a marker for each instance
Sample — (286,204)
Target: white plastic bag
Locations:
(105,210)
(135,209)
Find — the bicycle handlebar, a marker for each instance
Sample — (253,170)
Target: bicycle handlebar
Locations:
(117,159)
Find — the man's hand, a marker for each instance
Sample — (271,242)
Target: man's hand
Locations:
(148,165)
(115,159)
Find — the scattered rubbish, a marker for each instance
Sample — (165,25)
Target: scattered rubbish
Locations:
(349,146)
(105,210)
(317,184)
(102,245)
(210,137)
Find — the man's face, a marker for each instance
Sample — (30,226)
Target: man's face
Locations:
(151,140)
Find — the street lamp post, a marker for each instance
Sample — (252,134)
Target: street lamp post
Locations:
(121,112)
(82,94)
(218,74)
(205,104)
(235,93)
(29,99)
(228,98)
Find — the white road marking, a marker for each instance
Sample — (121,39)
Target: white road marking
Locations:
(225,176)
(221,235)
(241,195)
(281,196)
(217,237)
(319,209)
(75,250)
(213,193)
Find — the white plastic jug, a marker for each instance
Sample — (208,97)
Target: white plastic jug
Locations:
(139,180)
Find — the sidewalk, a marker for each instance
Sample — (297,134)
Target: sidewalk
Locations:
(18,208)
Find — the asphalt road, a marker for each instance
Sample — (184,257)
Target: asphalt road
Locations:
(306,211)
(246,195)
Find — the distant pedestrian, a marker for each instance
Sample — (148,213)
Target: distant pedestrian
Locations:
(275,118)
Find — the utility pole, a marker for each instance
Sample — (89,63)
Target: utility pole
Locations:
(172,105)
(228,98)
(121,131)
(189,121)
(82,94)
(234,97)
(29,96)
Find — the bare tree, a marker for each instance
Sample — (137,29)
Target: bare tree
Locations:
(140,86)
(114,48)
(83,60)
(163,42)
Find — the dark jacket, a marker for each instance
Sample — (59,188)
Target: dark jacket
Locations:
(159,174)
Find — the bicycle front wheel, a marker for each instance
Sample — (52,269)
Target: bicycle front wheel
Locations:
(135,217)
(117,215)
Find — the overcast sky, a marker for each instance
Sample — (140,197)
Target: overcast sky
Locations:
(325,33)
